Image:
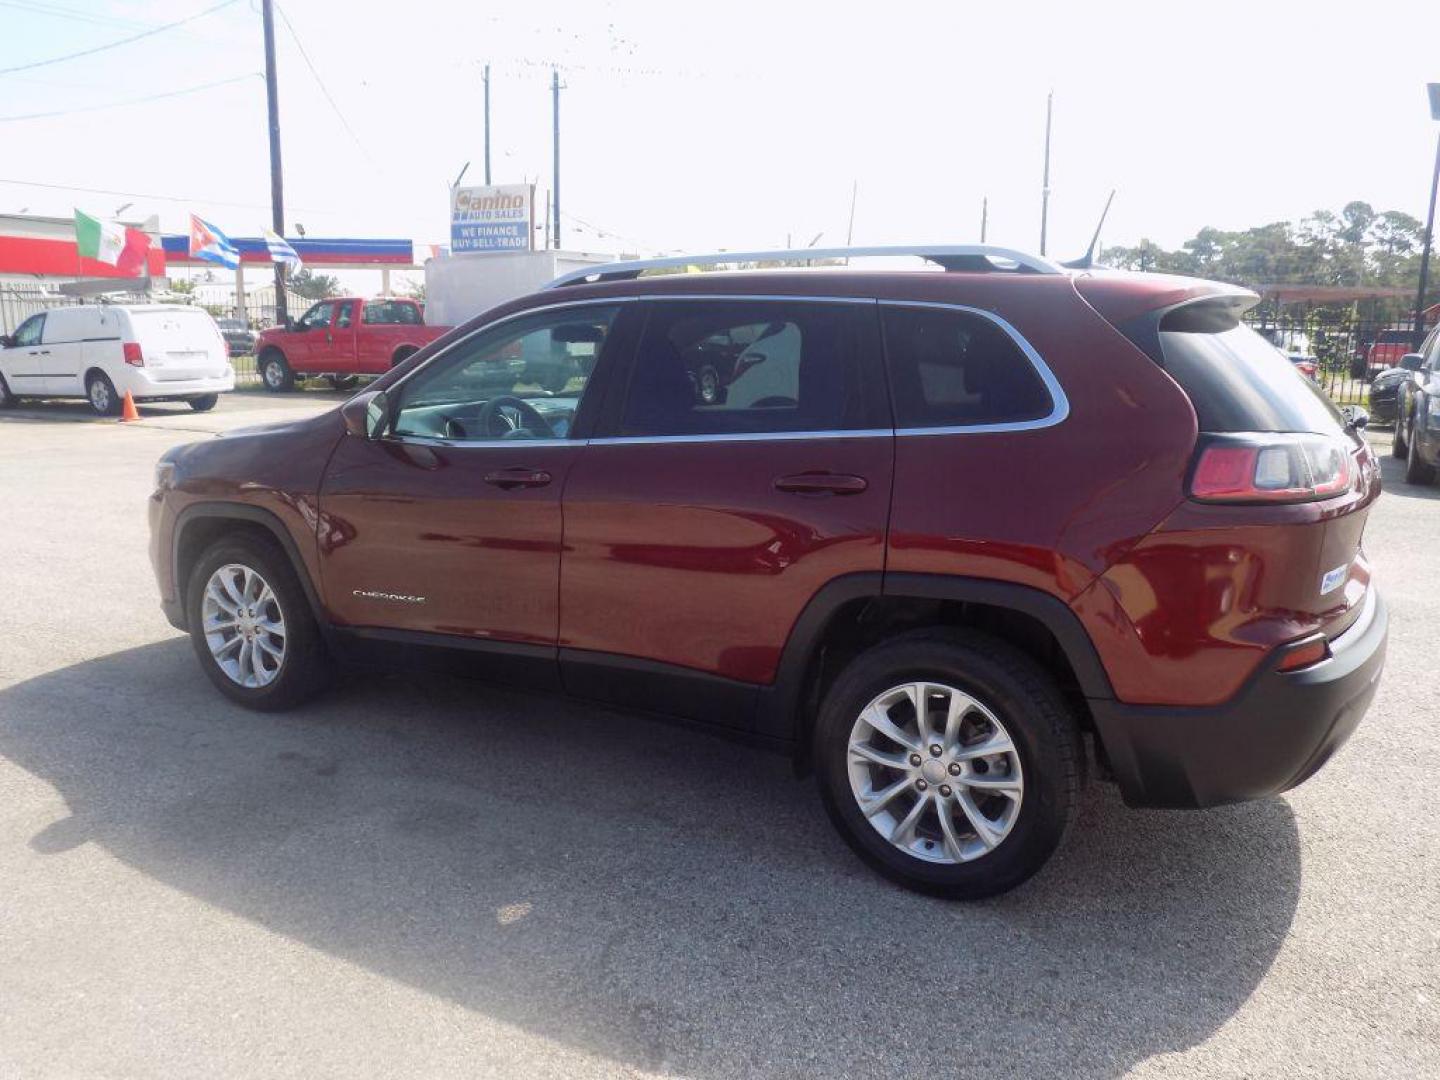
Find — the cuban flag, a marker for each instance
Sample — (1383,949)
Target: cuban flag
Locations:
(209,243)
(282,252)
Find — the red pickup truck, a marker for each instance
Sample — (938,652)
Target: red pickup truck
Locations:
(343,338)
(1384,352)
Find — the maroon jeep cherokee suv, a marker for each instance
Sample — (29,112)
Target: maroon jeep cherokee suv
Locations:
(942,536)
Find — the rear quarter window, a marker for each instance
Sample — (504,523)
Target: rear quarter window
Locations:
(953,368)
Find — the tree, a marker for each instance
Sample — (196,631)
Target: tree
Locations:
(313,286)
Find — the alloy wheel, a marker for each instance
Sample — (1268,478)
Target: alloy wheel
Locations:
(243,625)
(935,772)
(100,396)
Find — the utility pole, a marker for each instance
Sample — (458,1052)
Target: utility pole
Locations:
(1045,189)
(555,184)
(850,231)
(984,216)
(277,185)
(487,125)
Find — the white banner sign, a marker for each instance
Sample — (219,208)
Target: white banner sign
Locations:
(498,218)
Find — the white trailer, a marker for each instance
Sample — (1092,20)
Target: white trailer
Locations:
(459,287)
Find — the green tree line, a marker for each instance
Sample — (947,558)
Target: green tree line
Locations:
(1357,247)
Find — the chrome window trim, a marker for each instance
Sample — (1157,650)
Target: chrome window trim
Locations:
(456,444)
(1059,412)
(746,436)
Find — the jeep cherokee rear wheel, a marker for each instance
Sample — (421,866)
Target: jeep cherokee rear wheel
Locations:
(949,762)
(251,625)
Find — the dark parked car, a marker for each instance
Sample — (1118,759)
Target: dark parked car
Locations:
(1385,387)
(1417,413)
(239,338)
(949,532)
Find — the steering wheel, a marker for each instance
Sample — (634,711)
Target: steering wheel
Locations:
(500,416)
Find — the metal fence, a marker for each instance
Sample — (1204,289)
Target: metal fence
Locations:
(1346,354)
(19,302)
(219,300)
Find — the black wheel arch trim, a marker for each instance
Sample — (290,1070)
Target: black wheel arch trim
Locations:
(780,709)
(257,515)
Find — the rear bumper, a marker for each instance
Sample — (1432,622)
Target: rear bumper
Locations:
(144,387)
(1275,733)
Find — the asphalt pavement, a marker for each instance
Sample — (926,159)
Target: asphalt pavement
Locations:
(423,877)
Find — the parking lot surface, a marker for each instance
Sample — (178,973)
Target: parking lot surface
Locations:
(436,878)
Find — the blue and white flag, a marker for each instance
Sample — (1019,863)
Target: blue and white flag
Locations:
(281,252)
(209,243)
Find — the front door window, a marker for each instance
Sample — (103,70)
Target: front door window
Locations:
(521,380)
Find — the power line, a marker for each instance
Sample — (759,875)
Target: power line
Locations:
(333,211)
(321,83)
(116,44)
(59,11)
(129,101)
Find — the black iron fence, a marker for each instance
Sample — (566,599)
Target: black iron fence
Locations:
(19,302)
(1341,356)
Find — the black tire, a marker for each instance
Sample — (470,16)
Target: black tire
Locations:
(1416,471)
(342,382)
(7,399)
(402,354)
(306,666)
(275,373)
(1022,697)
(101,392)
(1397,441)
(203,403)
(1358,369)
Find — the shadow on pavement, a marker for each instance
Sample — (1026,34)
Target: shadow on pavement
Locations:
(648,893)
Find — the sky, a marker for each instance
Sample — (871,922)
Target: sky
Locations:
(736,125)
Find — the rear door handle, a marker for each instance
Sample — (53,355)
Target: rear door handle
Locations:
(818,483)
(518,478)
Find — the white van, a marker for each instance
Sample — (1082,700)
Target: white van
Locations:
(158,352)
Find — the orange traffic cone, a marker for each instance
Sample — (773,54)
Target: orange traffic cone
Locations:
(128,411)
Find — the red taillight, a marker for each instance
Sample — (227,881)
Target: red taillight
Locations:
(1306,368)
(133,356)
(1271,468)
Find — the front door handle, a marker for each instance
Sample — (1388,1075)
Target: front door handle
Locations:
(819,483)
(518,478)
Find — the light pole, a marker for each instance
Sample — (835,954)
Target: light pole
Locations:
(1434,91)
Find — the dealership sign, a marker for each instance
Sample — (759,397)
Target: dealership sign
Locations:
(492,218)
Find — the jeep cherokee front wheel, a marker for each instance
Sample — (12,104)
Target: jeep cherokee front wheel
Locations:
(251,625)
(949,762)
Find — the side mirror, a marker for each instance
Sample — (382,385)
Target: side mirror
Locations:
(367,415)
(1355,417)
(1412,361)
(6,341)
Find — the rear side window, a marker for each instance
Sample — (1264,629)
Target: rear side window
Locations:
(754,367)
(391,313)
(958,369)
(1235,379)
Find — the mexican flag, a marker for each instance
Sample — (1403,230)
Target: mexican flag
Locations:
(111,243)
